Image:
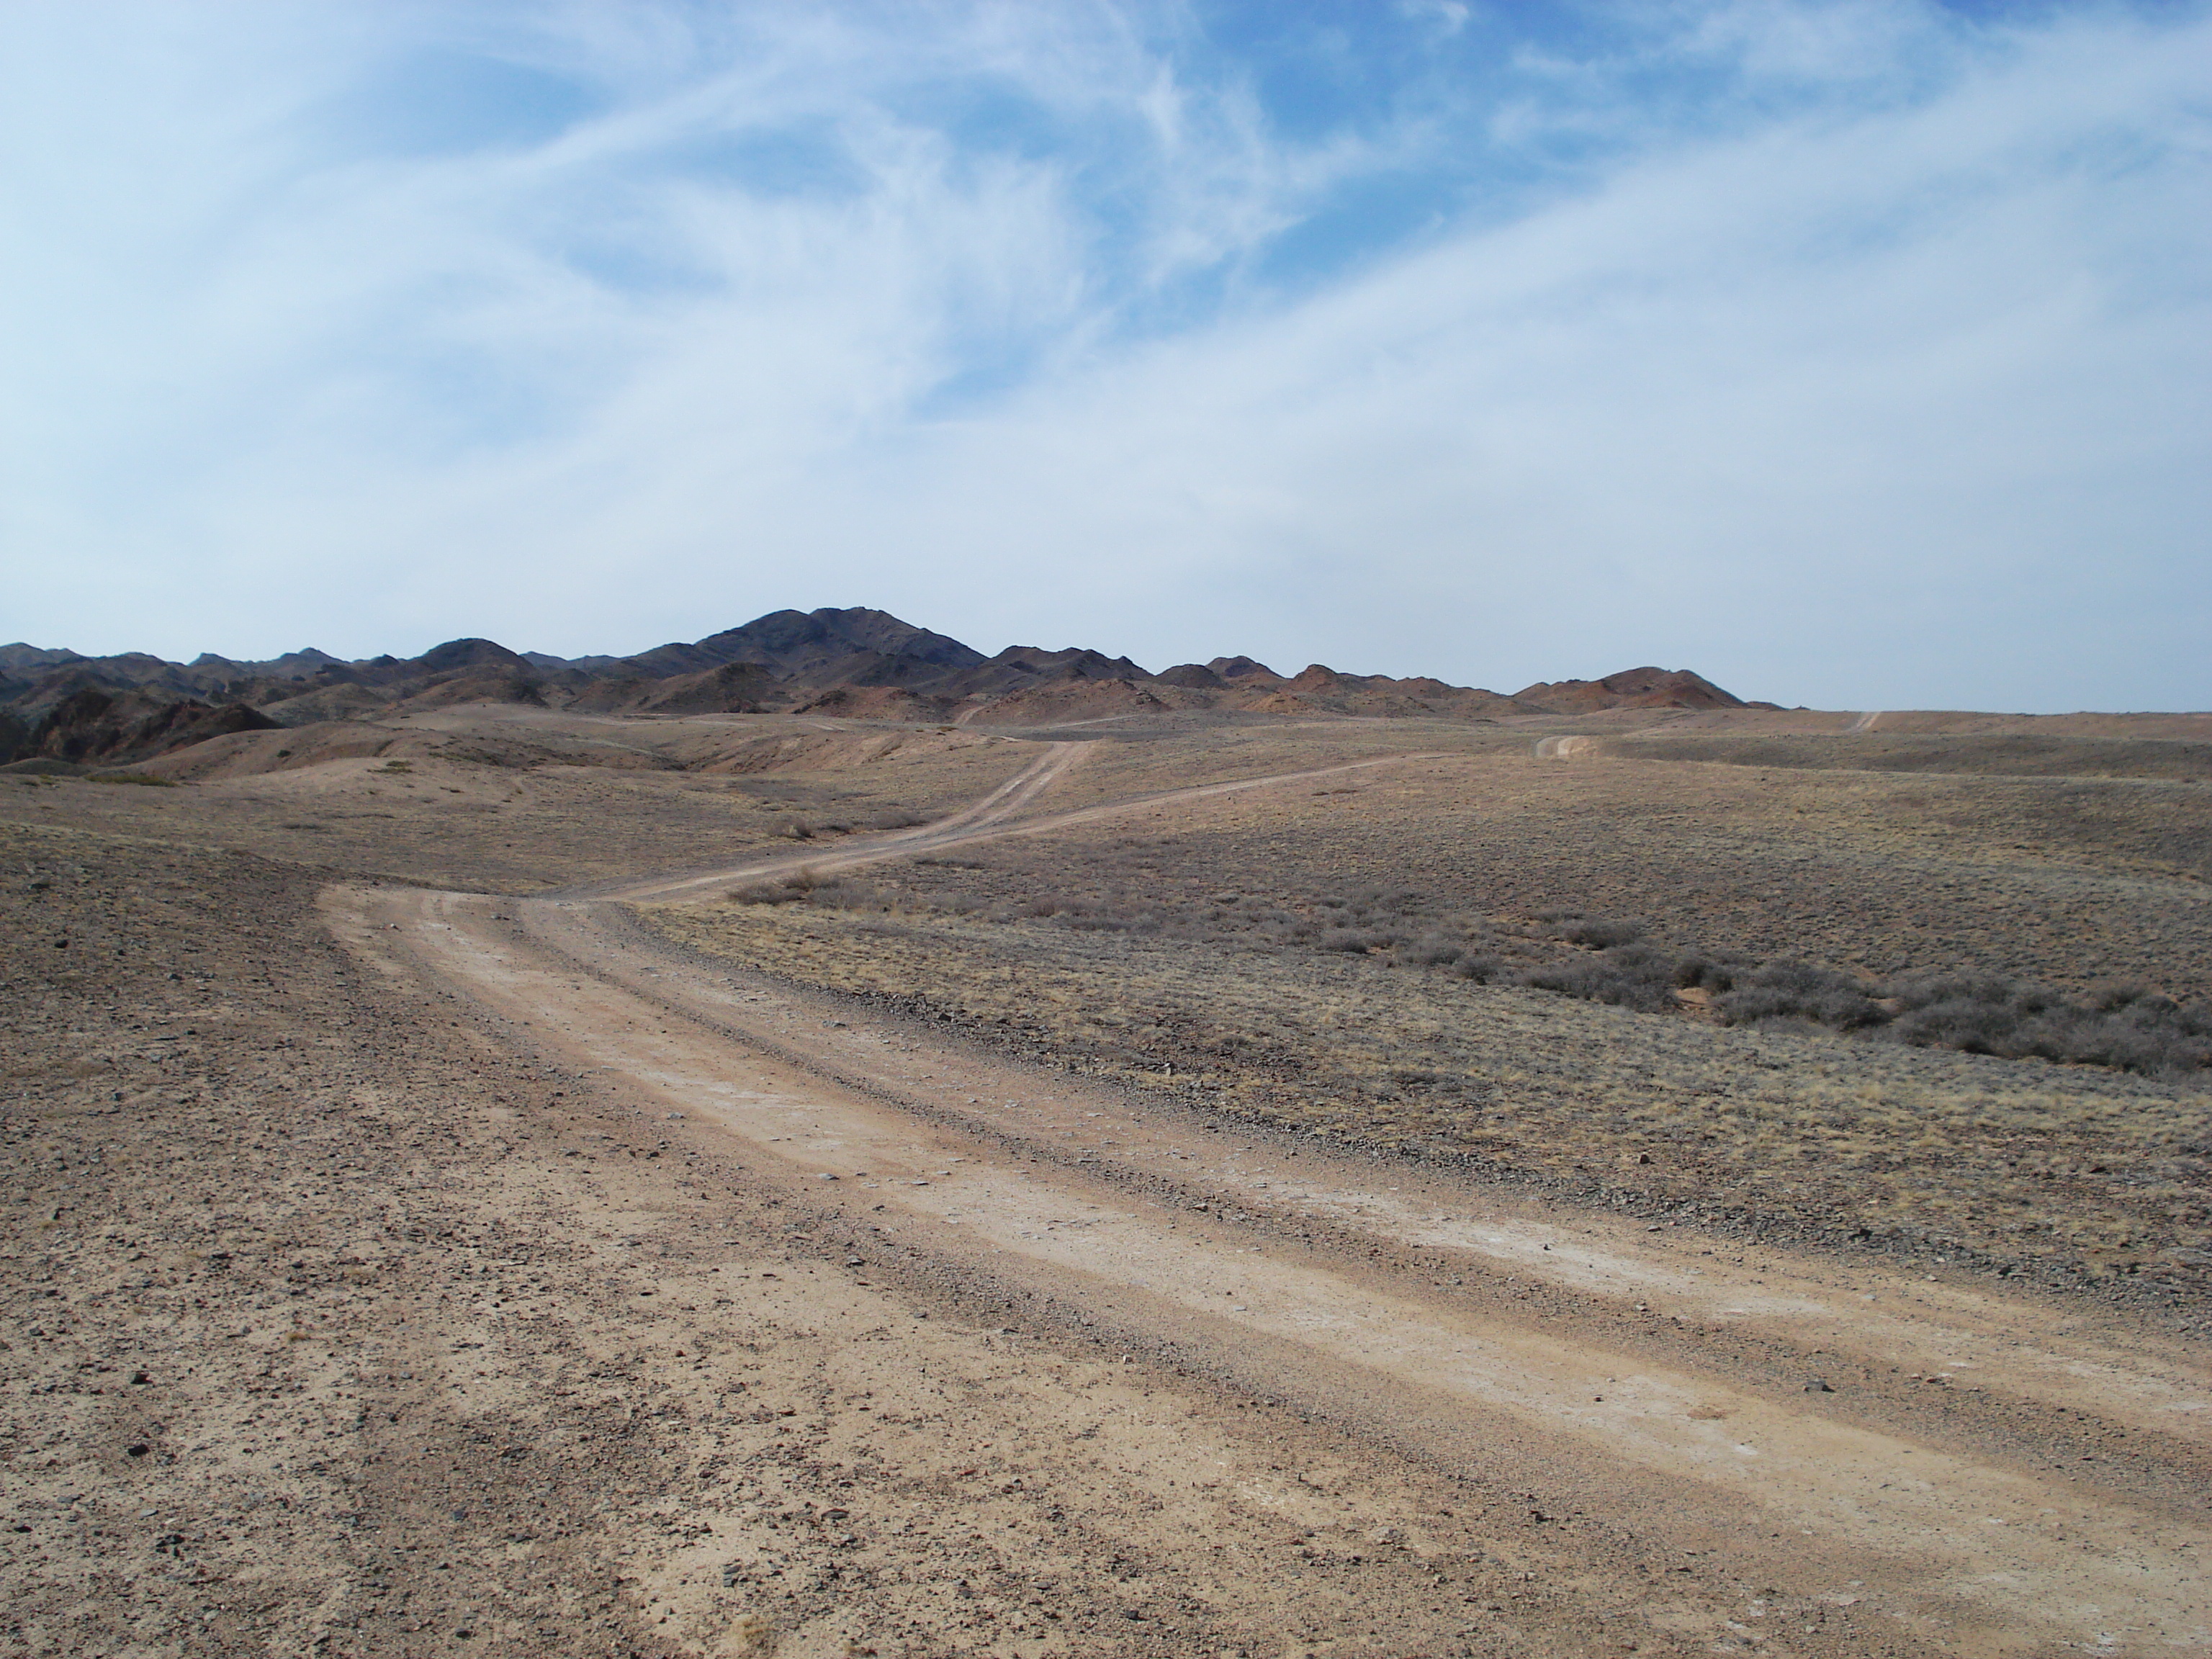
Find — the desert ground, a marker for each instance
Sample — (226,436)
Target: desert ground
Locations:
(500,1180)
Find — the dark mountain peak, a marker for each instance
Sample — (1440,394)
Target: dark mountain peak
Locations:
(20,659)
(1075,662)
(1239,668)
(796,640)
(1631,688)
(1192,676)
(470,654)
(811,648)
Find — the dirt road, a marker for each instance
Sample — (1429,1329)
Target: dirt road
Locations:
(1893,1463)
(995,815)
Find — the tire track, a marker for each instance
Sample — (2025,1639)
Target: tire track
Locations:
(1944,1531)
(993,817)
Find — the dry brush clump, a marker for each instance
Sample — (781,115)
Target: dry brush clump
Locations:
(847,824)
(1751,1125)
(1608,959)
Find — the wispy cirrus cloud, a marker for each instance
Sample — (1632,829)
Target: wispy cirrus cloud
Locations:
(1851,352)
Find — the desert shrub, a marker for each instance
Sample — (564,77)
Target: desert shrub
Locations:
(786,890)
(1627,977)
(1697,971)
(1483,969)
(1799,990)
(808,828)
(1429,952)
(2111,999)
(805,887)
(1354,941)
(1599,933)
(1104,921)
(2126,1028)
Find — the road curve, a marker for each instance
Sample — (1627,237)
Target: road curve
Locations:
(1982,1470)
(993,818)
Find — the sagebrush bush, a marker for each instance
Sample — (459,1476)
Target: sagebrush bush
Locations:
(1699,972)
(1483,969)
(1601,933)
(2127,1028)
(1570,952)
(1799,990)
(1628,976)
(808,828)
(1354,940)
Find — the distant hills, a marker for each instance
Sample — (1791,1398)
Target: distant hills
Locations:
(59,706)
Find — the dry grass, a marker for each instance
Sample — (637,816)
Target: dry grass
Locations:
(2021,1161)
(1315,955)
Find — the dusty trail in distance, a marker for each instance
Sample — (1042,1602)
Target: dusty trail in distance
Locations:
(988,818)
(1952,1465)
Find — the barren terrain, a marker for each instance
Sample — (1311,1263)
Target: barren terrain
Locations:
(443,1218)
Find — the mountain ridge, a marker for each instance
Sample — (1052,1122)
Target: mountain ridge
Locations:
(57,704)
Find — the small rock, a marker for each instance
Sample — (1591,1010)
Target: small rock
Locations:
(1819,1385)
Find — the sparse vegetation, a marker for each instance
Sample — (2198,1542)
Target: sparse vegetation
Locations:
(1596,959)
(809,829)
(1761,1122)
(1468,951)
(1814,999)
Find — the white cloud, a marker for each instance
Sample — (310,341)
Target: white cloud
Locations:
(1890,395)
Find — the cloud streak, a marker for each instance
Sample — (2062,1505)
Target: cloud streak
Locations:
(1852,353)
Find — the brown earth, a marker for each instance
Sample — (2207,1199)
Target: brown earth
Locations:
(396,1263)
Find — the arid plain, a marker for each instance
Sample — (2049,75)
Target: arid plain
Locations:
(492,1178)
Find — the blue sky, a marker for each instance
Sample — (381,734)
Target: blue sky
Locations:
(1855,354)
